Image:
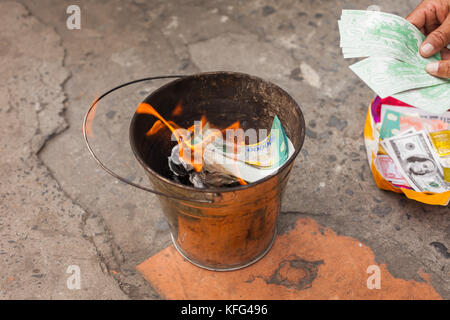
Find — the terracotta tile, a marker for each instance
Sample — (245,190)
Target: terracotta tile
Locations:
(309,262)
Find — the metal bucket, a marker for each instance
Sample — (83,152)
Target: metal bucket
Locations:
(224,228)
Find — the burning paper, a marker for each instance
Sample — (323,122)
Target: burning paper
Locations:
(206,156)
(225,162)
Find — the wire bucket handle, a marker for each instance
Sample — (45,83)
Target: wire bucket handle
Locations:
(108,170)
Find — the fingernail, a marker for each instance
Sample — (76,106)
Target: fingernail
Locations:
(432,67)
(427,49)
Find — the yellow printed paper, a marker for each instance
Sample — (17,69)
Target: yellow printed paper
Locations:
(441,142)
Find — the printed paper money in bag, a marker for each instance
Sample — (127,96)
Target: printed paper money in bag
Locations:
(393,64)
(414,156)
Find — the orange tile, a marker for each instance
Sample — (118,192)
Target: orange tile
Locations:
(309,262)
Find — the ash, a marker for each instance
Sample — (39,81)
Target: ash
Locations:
(184,173)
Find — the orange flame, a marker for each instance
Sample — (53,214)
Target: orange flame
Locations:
(90,119)
(145,108)
(240,180)
(182,139)
(158,125)
(178,110)
(233,126)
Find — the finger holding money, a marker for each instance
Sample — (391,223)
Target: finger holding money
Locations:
(437,40)
(433,18)
(439,69)
(445,54)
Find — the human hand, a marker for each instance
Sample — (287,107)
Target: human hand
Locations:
(432,17)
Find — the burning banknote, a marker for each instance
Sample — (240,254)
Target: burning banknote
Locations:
(225,162)
(211,157)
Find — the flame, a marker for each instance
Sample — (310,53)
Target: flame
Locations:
(158,125)
(240,180)
(182,137)
(178,110)
(233,126)
(90,119)
(203,120)
(145,108)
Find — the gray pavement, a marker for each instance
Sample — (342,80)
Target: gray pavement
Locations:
(58,208)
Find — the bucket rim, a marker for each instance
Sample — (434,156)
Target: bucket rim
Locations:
(220,190)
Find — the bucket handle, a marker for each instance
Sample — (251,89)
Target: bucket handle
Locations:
(104,167)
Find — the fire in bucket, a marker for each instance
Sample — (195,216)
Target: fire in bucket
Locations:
(207,156)
(218,148)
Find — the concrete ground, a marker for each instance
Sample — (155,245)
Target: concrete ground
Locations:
(59,209)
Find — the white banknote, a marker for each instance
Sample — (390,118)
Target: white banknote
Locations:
(387,76)
(393,64)
(414,156)
(435,99)
(373,30)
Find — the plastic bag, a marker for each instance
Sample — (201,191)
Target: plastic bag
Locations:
(372,139)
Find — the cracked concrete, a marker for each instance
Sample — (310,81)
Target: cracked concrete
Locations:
(59,208)
(41,227)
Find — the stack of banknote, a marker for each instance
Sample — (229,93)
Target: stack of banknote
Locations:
(393,64)
(414,149)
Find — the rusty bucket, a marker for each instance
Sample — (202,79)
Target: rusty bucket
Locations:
(222,228)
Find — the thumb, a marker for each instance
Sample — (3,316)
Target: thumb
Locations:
(439,69)
(437,40)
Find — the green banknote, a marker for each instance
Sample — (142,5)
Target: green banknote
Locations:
(435,99)
(370,31)
(393,64)
(388,76)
